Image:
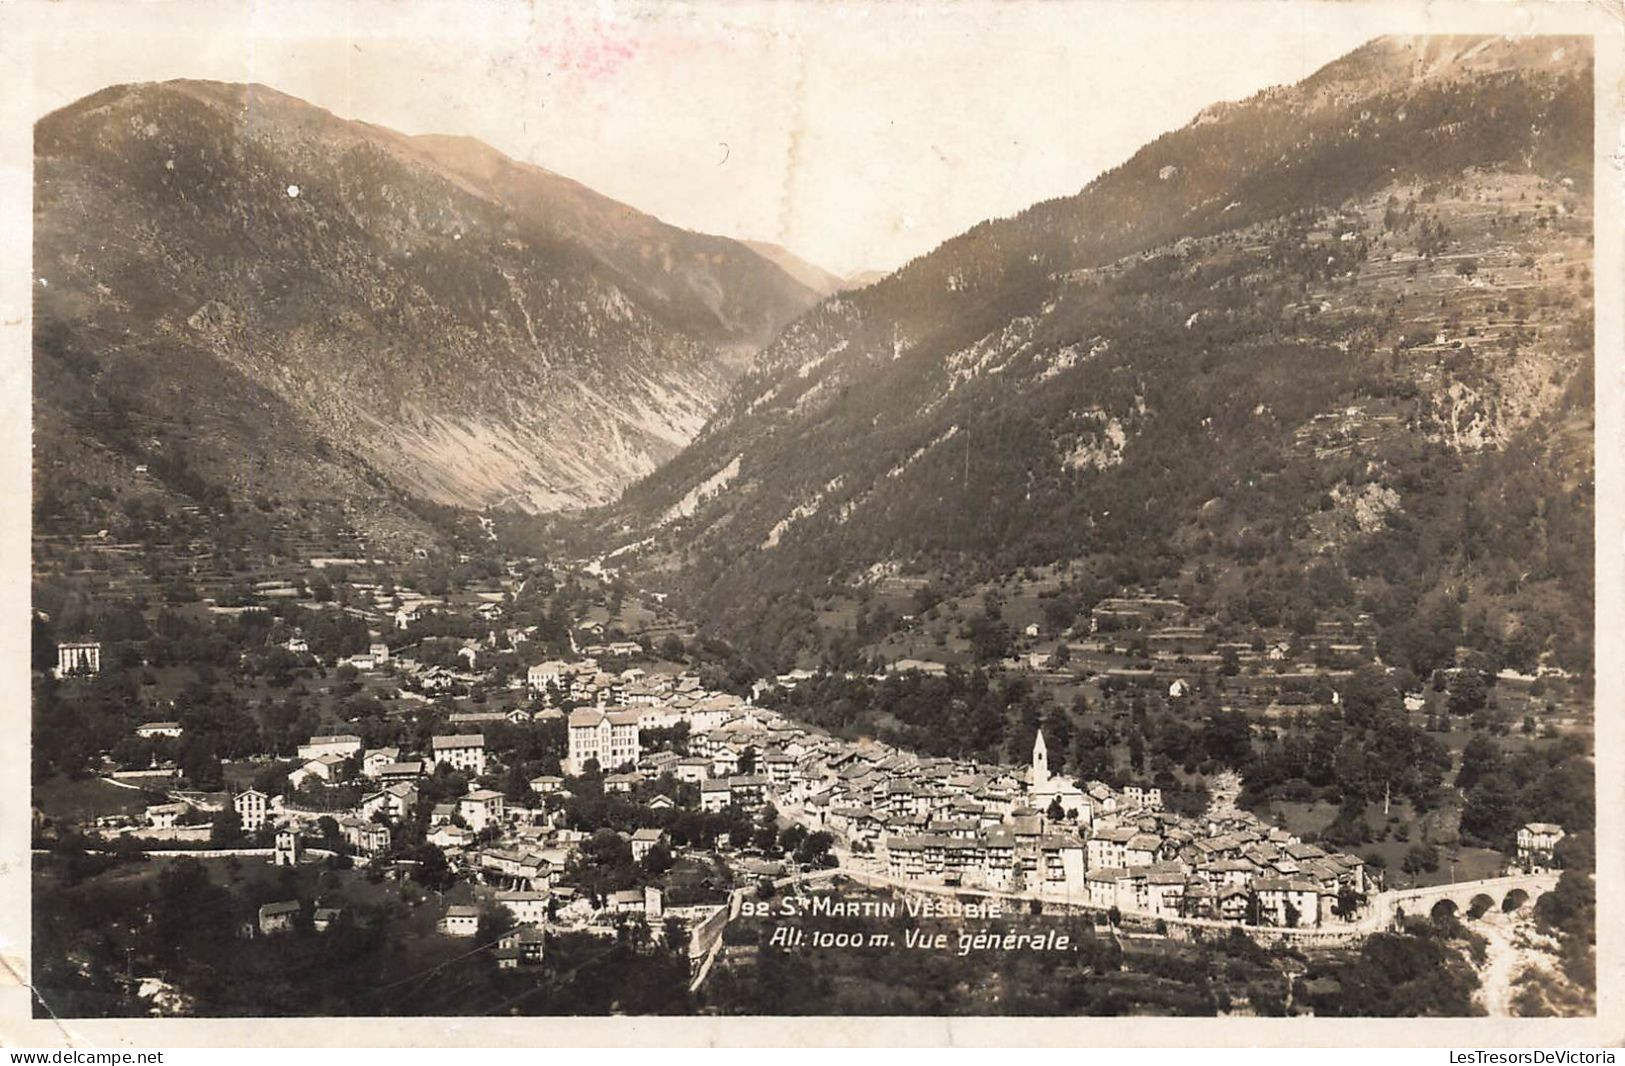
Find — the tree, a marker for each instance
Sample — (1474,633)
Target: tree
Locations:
(792,836)
(1481,756)
(657,860)
(328,828)
(766,836)
(1420,858)
(814,848)
(677,937)
(1491,813)
(1367,692)
(1468,693)
(227,830)
(494,921)
(1348,903)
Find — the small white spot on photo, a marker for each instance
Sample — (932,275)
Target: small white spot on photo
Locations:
(293,192)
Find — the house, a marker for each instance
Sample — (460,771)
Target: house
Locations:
(644,840)
(481,809)
(523,945)
(1165,891)
(1061,863)
(278,917)
(398,772)
(621,782)
(343,745)
(747,790)
(407,615)
(366,838)
(715,795)
(395,801)
(460,751)
(379,653)
(693,769)
(78,659)
(1233,903)
(475,717)
(1102,887)
(328,768)
(1146,798)
(553,674)
(1141,849)
(448,837)
(437,679)
(609,738)
(1536,842)
(627,901)
(377,758)
(324,917)
(251,806)
(724,760)
(288,848)
(1108,848)
(165,815)
(546,784)
(527,908)
(460,920)
(1293,902)
(159,729)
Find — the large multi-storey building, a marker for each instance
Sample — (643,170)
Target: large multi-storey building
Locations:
(460,751)
(78,658)
(609,737)
(252,807)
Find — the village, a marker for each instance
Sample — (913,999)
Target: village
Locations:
(665,802)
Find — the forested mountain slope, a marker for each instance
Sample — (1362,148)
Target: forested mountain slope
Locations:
(288,305)
(1342,327)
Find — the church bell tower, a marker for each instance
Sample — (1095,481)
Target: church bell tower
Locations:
(1040,775)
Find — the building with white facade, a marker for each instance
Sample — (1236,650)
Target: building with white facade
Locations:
(460,751)
(253,807)
(610,737)
(81,657)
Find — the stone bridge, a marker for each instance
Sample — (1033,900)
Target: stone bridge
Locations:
(1464,897)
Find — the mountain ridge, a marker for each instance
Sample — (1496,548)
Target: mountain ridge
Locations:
(963,414)
(484,332)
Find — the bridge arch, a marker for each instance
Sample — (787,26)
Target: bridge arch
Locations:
(1466,899)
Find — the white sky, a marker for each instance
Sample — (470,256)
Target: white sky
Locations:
(857,135)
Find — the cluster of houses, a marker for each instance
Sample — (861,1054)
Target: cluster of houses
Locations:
(949,822)
(943,822)
(913,819)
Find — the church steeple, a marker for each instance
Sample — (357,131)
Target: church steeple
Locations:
(1040,774)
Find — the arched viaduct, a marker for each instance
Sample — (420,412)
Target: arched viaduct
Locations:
(1466,898)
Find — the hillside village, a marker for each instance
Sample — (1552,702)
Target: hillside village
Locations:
(1200,564)
(575,774)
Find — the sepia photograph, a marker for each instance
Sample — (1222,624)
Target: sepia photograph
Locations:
(814,510)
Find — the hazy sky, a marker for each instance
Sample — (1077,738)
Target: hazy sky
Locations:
(857,135)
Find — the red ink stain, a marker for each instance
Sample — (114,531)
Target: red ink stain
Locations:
(592,51)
